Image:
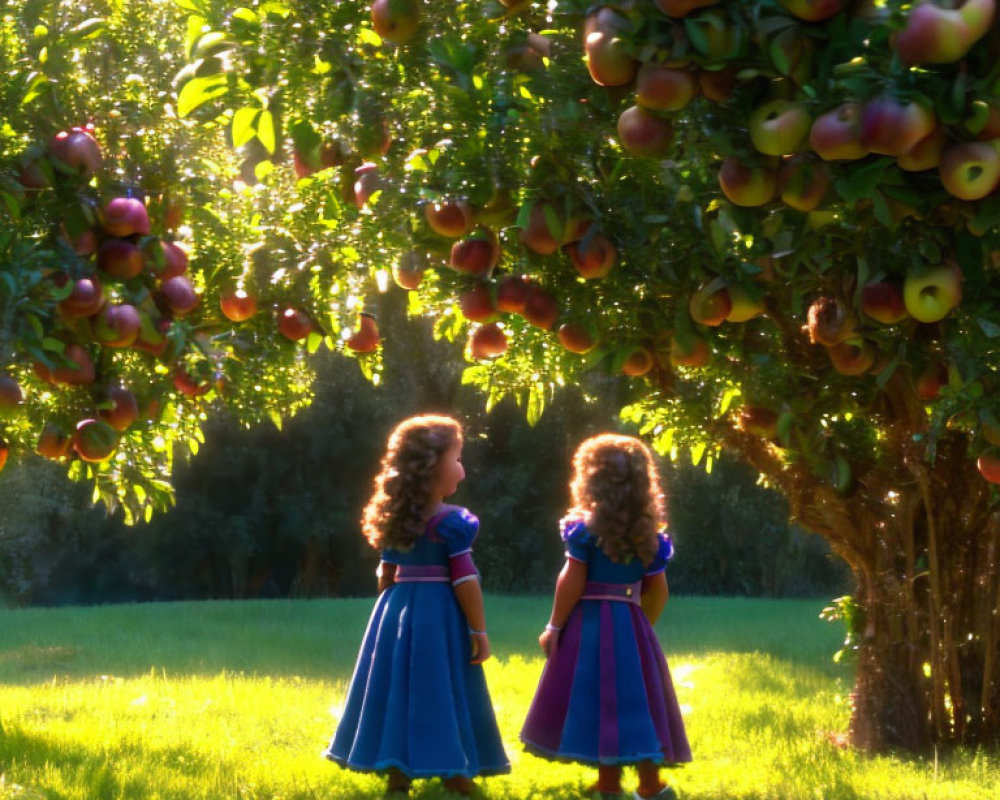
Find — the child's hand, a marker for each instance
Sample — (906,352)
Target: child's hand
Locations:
(480,647)
(549,641)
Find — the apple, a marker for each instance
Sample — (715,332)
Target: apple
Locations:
(125,410)
(186,384)
(576,338)
(33,176)
(294,324)
(747,302)
(95,441)
(882,300)
(451,218)
(681,8)
(746,186)
(512,293)
(334,152)
(366,338)
(81,371)
(930,293)
(172,260)
(930,381)
(715,36)
(803,182)
(488,341)
(173,213)
(970,170)
(935,35)
(689,351)
(643,134)
(779,128)
(11,396)
(53,442)
(78,150)
(367,181)
(891,127)
(830,321)
(836,135)
(83,243)
(990,433)
(408,271)
(85,300)
(477,253)
(543,230)
(179,295)
(593,258)
(500,210)
(758,421)
(396,21)
(477,304)
(711,304)
(4,452)
(605,48)
(152,335)
(638,362)
(125,216)
(853,356)
(237,304)
(116,325)
(925,154)
(119,258)
(540,308)
(662,88)
(988,465)
(717,84)
(813,10)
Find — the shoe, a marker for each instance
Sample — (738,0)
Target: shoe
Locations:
(459,784)
(666,793)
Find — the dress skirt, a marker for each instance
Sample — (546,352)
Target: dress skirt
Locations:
(415,702)
(605,695)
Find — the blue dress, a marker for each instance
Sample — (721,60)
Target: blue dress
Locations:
(415,702)
(605,695)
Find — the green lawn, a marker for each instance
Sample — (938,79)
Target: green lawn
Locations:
(236,700)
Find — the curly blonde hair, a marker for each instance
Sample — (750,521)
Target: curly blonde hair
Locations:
(396,513)
(616,489)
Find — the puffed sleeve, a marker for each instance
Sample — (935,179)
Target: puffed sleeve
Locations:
(459,529)
(577,539)
(664,553)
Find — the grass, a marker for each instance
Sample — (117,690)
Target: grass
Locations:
(236,700)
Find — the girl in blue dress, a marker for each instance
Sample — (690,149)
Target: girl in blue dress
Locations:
(418,706)
(605,696)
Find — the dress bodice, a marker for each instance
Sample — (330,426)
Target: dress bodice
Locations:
(581,545)
(446,535)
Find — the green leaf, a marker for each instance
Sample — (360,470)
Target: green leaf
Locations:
(991,329)
(198,91)
(89,28)
(244,121)
(265,131)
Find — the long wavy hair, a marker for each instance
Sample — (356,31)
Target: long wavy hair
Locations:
(397,511)
(616,489)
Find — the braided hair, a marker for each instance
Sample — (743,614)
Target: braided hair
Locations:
(396,513)
(616,488)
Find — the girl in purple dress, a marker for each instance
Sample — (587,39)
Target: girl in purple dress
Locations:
(418,706)
(605,696)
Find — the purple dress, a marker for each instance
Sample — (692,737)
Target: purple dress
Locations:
(605,695)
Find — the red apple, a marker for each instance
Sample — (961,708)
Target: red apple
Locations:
(891,127)
(779,127)
(853,356)
(408,271)
(119,258)
(930,293)
(186,384)
(540,308)
(689,351)
(81,369)
(366,338)
(179,295)
(78,150)
(935,35)
(294,325)
(11,395)
(4,452)
(85,300)
(451,218)
(638,362)
(125,216)
(606,48)
(237,304)
(395,21)
(488,341)
(53,442)
(711,304)
(125,410)
(33,176)
(116,325)
(930,381)
(925,154)
(544,229)
(173,262)
(681,8)
(717,84)
(988,465)
(152,335)
(576,338)
(367,181)
(477,304)
(813,10)
(836,134)
(643,134)
(173,213)
(95,441)
(662,88)
(513,293)
(476,254)
(593,258)
(970,170)
(803,182)
(830,321)
(882,300)
(746,186)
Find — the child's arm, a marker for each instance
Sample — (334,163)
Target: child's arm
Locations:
(654,596)
(570,586)
(386,574)
(470,599)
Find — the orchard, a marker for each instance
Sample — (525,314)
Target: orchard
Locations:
(776,221)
